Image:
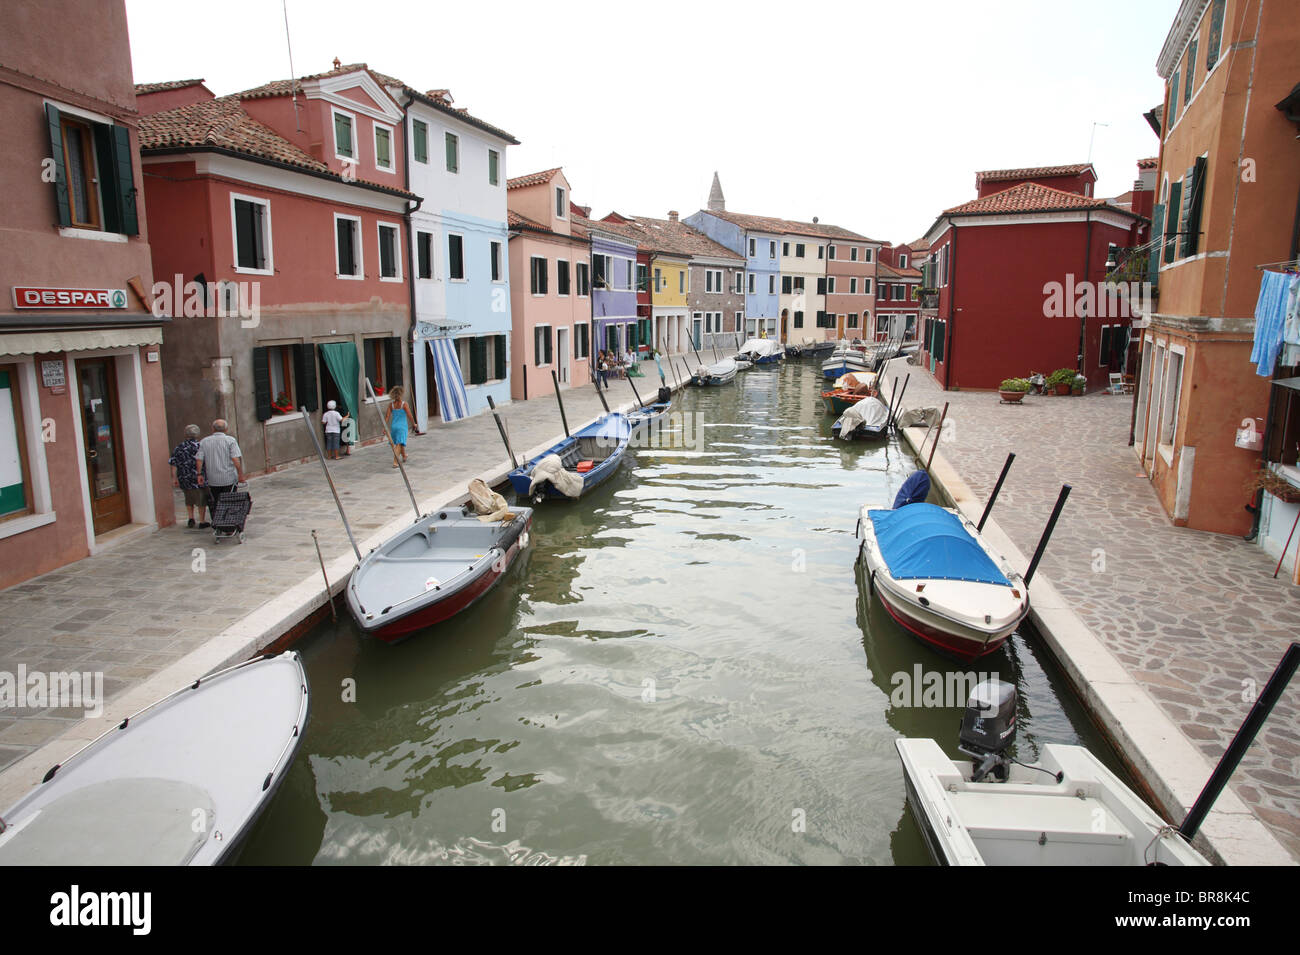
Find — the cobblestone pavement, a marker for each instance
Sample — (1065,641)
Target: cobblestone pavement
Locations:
(131,611)
(1195,617)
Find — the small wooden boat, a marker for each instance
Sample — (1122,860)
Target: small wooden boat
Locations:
(179,783)
(865,420)
(845,359)
(940,580)
(849,390)
(433,570)
(591,454)
(645,416)
(717,374)
(818,350)
(1068,809)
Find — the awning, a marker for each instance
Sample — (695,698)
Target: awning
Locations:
(32,343)
(452,400)
(1292,383)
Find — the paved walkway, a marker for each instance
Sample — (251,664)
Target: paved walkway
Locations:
(1193,616)
(131,611)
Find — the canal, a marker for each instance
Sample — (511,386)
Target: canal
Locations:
(684,669)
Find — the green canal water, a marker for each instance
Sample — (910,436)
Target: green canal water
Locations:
(684,668)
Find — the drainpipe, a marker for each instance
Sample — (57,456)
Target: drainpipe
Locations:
(1087,277)
(952,307)
(410,247)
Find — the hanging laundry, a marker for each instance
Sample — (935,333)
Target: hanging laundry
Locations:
(1291,324)
(1270,320)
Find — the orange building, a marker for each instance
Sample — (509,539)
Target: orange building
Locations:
(1226,189)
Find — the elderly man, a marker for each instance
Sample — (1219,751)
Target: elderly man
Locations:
(220,462)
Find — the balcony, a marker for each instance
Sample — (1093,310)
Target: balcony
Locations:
(1133,264)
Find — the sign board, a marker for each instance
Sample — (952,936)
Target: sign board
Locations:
(52,374)
(42,297)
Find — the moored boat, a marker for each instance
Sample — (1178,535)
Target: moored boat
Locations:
(433,570)
(864,420)
(1068,809)
(583,460)
(844,359)
(761,351)
(179,783)
(719,373)
(940,580)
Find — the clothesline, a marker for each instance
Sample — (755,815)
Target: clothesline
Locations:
(1277,321)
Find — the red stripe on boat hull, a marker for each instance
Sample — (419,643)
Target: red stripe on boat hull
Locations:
(965,650)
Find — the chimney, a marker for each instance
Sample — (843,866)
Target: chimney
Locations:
(337,62)
(672,215)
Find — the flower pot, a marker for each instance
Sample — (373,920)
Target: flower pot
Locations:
(1012,396)
(1063,389)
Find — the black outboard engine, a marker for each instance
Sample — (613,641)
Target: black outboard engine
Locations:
(665,394)
(988,728)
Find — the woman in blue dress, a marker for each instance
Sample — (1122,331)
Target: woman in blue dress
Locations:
(397,419)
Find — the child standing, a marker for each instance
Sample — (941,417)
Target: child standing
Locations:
(333,422)
(396,416)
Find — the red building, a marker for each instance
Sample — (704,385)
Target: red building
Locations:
(1020,274)
(898,300)
(281,253)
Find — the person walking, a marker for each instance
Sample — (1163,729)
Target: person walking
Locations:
(396,417)
(349,434)
(220,463)
(185,474)
(333,422)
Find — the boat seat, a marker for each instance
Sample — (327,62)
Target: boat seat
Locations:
(1065,820)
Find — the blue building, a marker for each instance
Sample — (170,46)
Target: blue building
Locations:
(758,239)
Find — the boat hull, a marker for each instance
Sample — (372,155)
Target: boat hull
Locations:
(613,428)
(836,366)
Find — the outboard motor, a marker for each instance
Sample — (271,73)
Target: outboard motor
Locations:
(988,729)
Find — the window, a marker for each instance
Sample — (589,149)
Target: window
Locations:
(830,285)
(453,153)
(542,345)
(659,280)
(383,357)
(390,268)
(584,279)
(345,136)
(787,284)
(820,252)
(681,281)
(1191,72)
(771,249)
(1214,42)
(751,283)
(1173,101)
(1169,403)
(16,494)
(853,286)
(1193,197)
(798,283)
(279,368)
(853,253)
(785,248)
(560,208)
(581,341)
(740,321)
(740,282)
(898,292)
(909,332)
(494,250)
(866,254)
(538,274)
(883,291)
(600,270)
(771,285)
(383,147)
(882,326)
(347,246)
(830,251)
(627,274)
(642,278)
(866,286)
(902,260)
(752,253)
(1171,217)
(561,277)
(1103,353)
(420,140)
(424,254)
(798,250)
(821,286)
(456,257)
(94,178)
(853,320)
(252,230)
(798,319)
(494,168)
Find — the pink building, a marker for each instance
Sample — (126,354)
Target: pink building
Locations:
(550,286)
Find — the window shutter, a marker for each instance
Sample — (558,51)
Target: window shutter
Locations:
(1171,244)
(550,338)
(1157,235)
(304,373)
(821,286)
(129,222)
(477,360)
(393,359)
(1192,211)
(60,171)
(538,352)
(500,371)
(261,383)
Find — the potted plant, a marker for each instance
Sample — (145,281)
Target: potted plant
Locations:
(1061,380)
(1013,389)
(1078,384)
(282,404)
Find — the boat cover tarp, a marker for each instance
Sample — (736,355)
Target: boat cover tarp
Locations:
(760,347)
(914,490)
(551,468)
(488,504)
(724,367)
(925,542)
(869,412)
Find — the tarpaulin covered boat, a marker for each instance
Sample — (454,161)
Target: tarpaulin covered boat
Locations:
(867,418)
(581,461)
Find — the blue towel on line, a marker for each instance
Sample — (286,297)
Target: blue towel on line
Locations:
(1270,319)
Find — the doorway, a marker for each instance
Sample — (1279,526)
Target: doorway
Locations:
(102,432)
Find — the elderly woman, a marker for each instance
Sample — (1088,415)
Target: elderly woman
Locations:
(185,474)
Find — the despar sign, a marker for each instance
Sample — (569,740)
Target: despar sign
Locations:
(40,297)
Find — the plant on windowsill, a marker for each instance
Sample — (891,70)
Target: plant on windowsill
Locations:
(282,404)
(1013,390)
(1060,380)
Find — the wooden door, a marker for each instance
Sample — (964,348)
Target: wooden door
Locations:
(101,424)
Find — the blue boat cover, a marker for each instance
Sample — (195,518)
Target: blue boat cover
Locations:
(914,490)
(923,541)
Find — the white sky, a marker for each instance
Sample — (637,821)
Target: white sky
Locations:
(870,115)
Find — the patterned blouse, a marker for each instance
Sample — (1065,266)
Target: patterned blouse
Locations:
(182,459)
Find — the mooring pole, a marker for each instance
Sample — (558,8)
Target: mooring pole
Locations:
(600,393)
(635,392)
(525,381)
(893,391)
(901,392)
(320,456)
(937,435)
(502,428)
(1250,727)
(555,379)
(333,615)
(1047,533)
(996,487)
(389,439)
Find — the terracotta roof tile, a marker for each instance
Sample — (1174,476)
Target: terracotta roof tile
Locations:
(1148,163)
(516,221)
(775,226)
(142,88)
(664,235)
(1033,172)
(285,87)
(1028,197)
(533,178)
(885,271)
(221,124)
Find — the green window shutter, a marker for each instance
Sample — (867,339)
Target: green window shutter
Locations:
(304,373)
(500,370)
(1171,243)
(1173,102)
(393,359)
(453,153)
(130,222)
(1157,236)
(477,360)
(343,135)
(1215,39)
(60,170)
(261,384)
(1191,73)
(1192,211)
(421,138)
